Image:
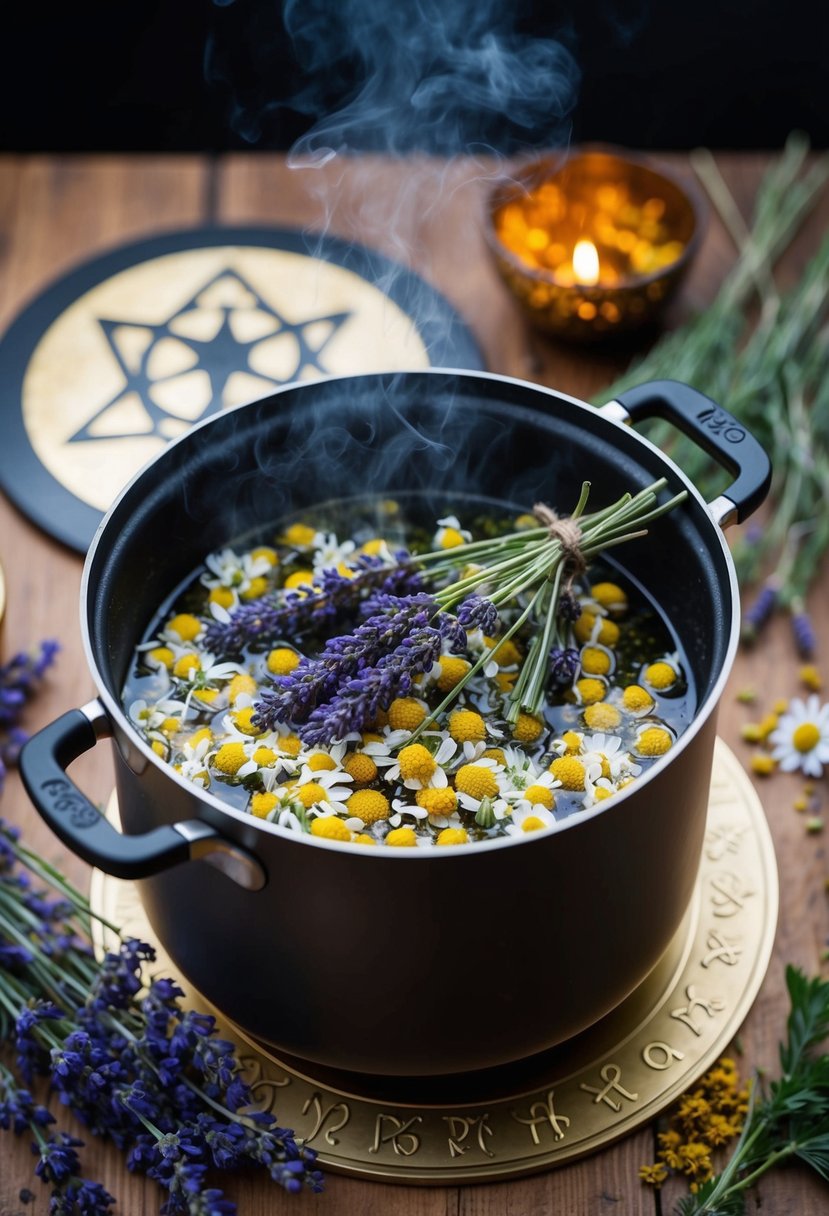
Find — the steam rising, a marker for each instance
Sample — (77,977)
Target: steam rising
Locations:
(446,77)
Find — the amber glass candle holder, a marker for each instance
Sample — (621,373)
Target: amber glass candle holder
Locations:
(592,243)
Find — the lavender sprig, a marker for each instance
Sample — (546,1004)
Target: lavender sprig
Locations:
(318,680)
(295,614)
(140,1070)
(19,680)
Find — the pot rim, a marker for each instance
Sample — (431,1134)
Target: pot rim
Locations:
(116,712)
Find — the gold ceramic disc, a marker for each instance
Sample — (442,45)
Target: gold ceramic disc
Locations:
(133,348)
(586,1093)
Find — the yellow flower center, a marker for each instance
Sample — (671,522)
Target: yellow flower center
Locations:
(536,794)
(299,578)
(610,596)
(242,721)
(406,713)
(437,802)
(496,754)
(199,736)
(364,838)
(532,824)
(595,662)
(186,664)
(806,736)
(660,675)
(321,762)
(282,661)
(222,596)
(600,793)
(240,684)
(163,654)
(507,654)
(361,767)
(262,804)
(159,748)
(602,716)
(290,745)
(528,728)
(572,741)
(373,547)
(416,763)
(452,836)
(452,671)
(608,632)
(329,827)
(477,781)
(258,586)
(654,741)
(229,758)
(451,538)
(368,805)
(465,726)
(206,695)
(569,771)
(402,838)
(266,552)
(299,534)
(185,625)
(590,690)
(309,794)
(636,698)
(264,757)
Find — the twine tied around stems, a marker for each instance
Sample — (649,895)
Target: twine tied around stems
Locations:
(568,533)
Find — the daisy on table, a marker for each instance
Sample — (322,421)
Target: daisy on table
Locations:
(801,738)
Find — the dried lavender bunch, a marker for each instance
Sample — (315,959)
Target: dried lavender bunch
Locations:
(122,1054)
(19,680)
(264,621)
(341,690)
(773,374)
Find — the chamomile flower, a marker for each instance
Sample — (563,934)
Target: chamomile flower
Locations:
(323,793)
(402,810)
(609,752)
(482,779)
(239,573)
(193,763)
(801,739)
(530,819)
(331,554)
(154,717)
(450,534)
(535,792)
(418,767)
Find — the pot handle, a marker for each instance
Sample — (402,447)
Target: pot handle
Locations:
(86,831)
(715,430)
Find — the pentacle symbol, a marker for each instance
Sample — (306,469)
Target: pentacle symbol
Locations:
(126,352)
(223,344)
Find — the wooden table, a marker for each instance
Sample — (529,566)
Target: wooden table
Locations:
(57,211)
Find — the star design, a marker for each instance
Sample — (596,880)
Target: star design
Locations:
(225,345)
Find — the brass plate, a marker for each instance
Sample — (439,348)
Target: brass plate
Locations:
(586,1093)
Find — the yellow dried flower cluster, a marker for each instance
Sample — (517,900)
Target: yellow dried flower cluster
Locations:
(702,1121)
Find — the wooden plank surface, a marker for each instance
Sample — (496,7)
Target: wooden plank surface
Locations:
(54,212)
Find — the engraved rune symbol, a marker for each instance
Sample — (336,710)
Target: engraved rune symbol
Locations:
(610,1074)
(339,1112)
(263,1085)
(660,1055)
(721,948)
(729,894)
(723,839)
(543,1113)
(685,1013)
(459,1128)
(388,1129)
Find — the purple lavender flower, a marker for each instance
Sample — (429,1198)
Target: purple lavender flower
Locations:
(19,679)
(569,608)
(758,614)
(315,681)
(478,613)
(564,665)
(804,634)
(357,700)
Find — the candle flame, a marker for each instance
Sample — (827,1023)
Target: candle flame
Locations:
(586,263)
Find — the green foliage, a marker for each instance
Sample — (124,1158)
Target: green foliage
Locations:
(789,1121)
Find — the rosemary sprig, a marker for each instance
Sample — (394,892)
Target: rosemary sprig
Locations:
(788,1119)
(771,372)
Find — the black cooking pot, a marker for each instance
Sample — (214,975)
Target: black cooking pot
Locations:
(392,960)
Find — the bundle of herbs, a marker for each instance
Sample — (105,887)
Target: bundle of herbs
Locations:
(764,355)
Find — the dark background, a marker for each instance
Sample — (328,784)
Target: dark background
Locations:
(174,75)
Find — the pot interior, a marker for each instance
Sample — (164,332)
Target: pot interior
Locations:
(439,435)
